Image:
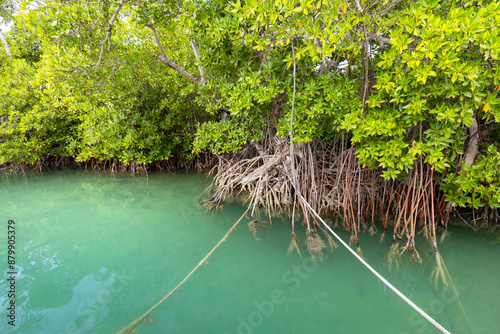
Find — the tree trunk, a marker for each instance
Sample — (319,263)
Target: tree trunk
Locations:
(470,154)
(472,148)
(196,51)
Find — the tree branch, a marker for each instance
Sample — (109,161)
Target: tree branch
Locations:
(109,31)
(200,66)
(5,45)
(163,57)
(165,60)
(381,40)
(472,148)
(470,154)
(358,7)
(327,65)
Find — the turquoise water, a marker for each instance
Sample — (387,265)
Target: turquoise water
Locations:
(95,252)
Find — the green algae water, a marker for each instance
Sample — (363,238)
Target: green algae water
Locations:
(94,252)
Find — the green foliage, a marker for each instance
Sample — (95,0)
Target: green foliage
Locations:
(478,185)
(439,72)
(22,132)
(224,137)
(251,48)
(402,80)
(7,8)
(133,114)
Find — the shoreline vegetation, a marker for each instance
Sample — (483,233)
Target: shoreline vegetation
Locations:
(369,110)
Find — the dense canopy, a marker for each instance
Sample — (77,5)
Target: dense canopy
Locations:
(408,88)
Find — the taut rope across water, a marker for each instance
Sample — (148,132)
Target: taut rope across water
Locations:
(146,317)
(386,282)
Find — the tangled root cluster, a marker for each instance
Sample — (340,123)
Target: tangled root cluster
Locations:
(393,257)
(211,206)
(282,178)
(315,244)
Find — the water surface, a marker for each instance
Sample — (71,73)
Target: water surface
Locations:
(95,252)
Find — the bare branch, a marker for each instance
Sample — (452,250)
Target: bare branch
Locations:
(163,57)
(473,147)
(109,31)
(180,69)
(327,65)
(200,66)
(381,40)
(358,6)
(388,8)
(5,45)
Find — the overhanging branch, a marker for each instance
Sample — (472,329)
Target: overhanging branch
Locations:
(109,32)
(200,66)
(5,45)
(163,57)
(165,60)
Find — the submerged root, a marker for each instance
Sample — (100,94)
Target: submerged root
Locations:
(372,230)
(382,237)
(294,244)
(149,320)
(444,235)
(393,257)
(409,247)
(415,257)
(254,226)
(353,239)
(440,272)
(360,253)
(315,245)
(211,205)
(134,326)
(146,317)
(333,245)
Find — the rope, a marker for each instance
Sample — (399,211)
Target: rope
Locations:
(132,327)
(400,294)
(146,317)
